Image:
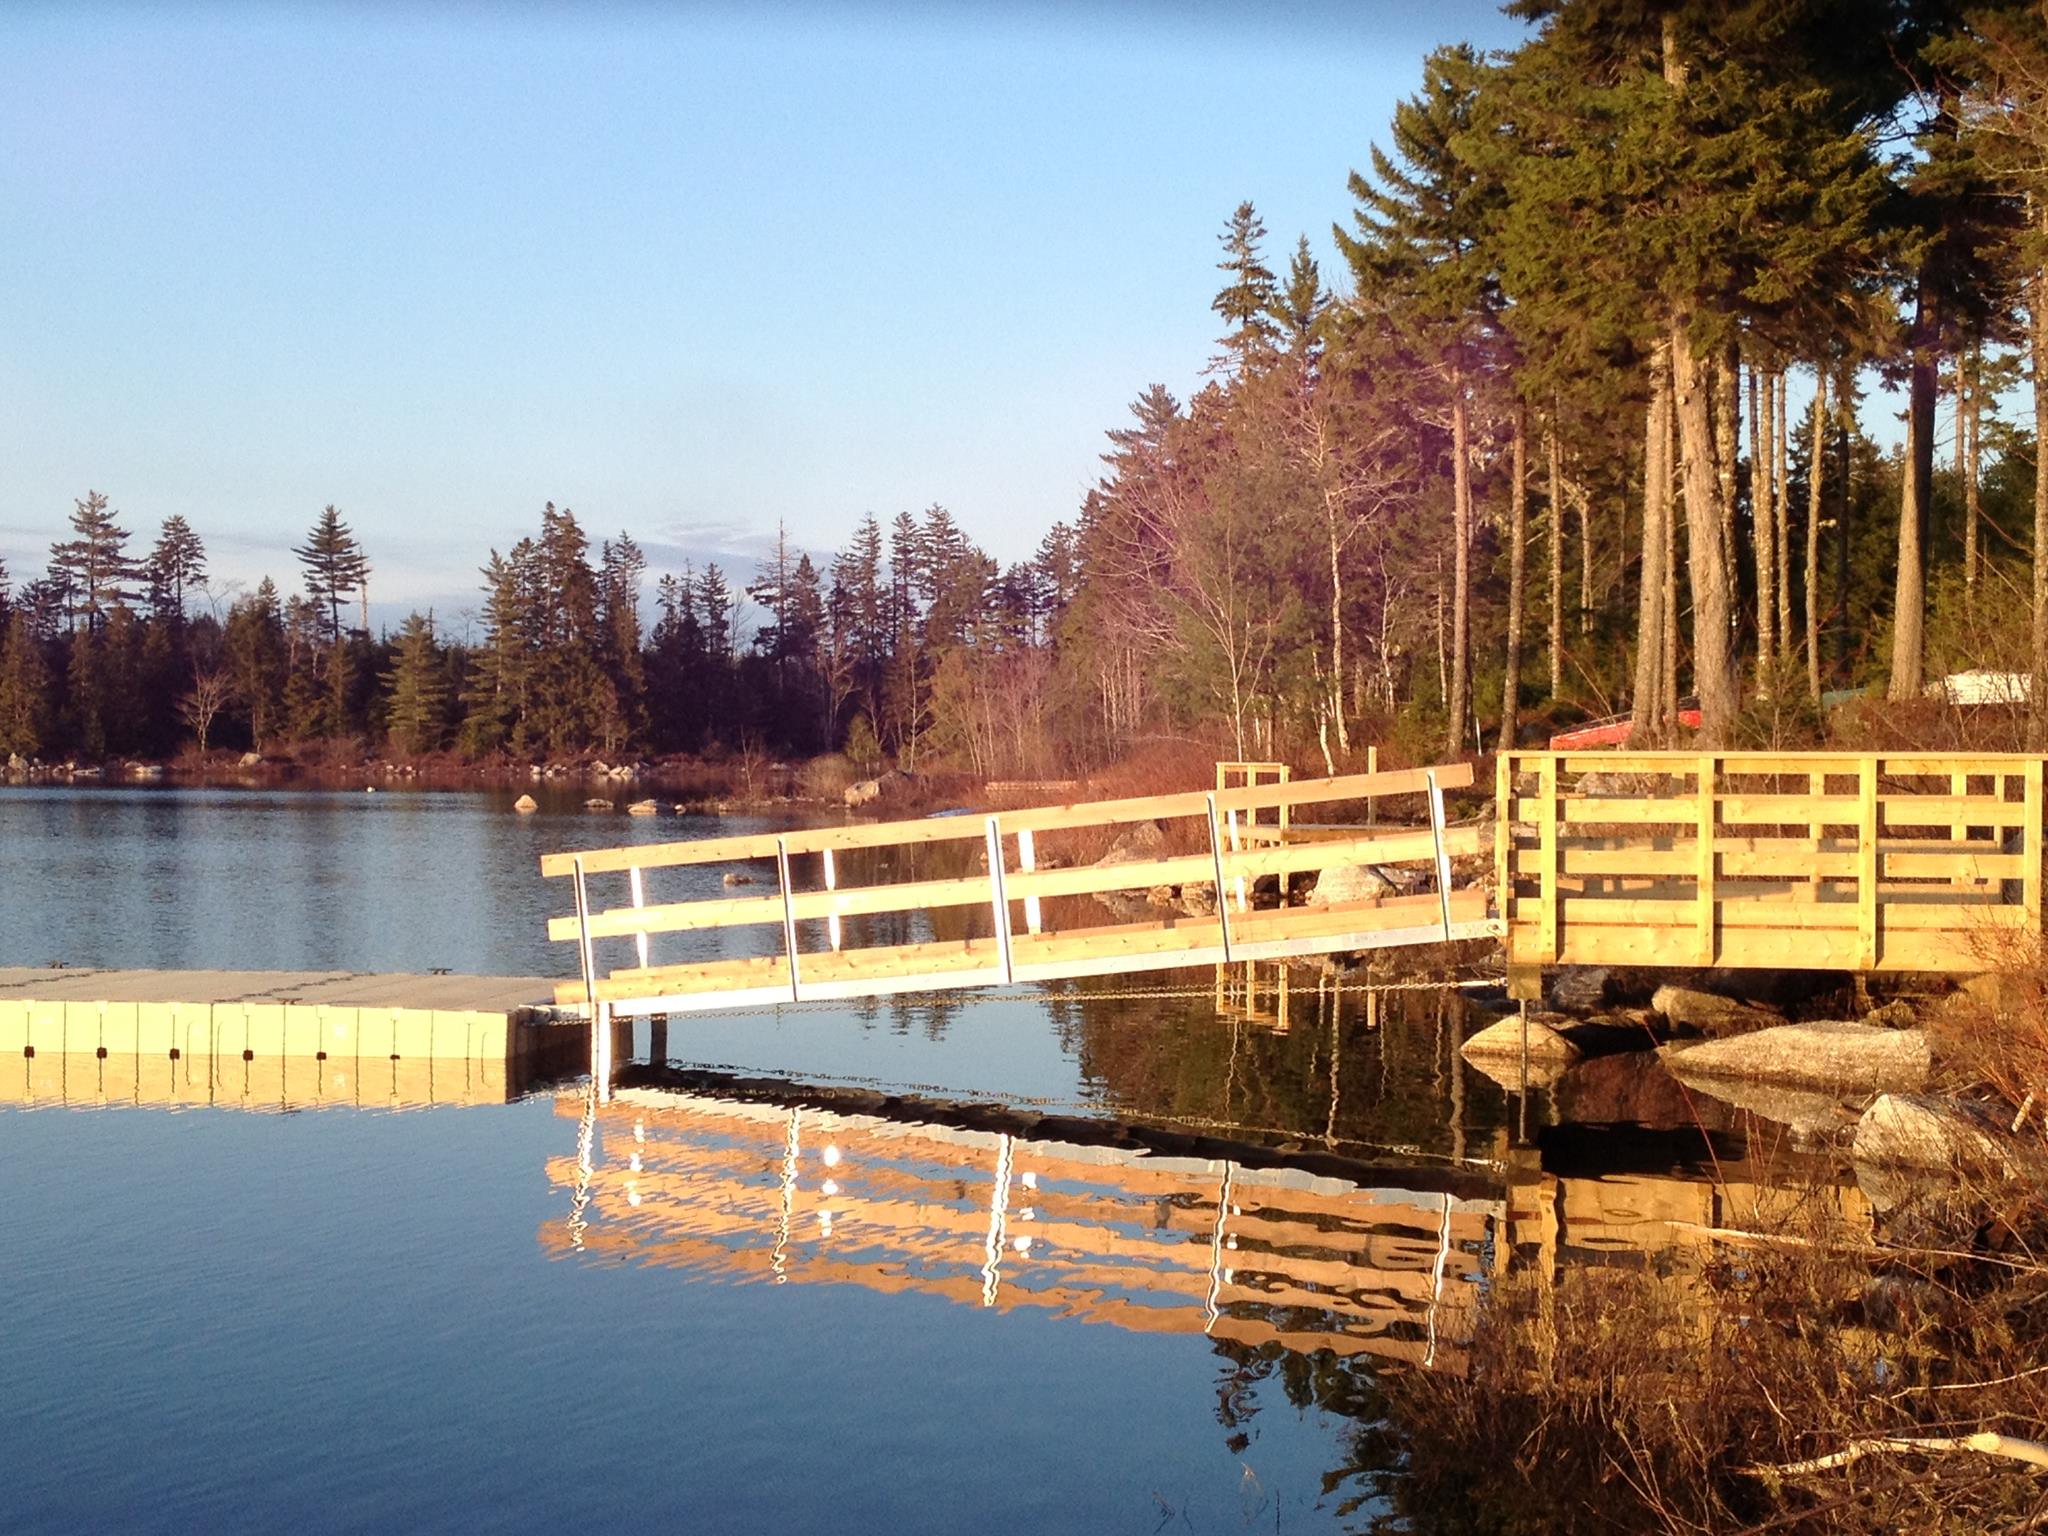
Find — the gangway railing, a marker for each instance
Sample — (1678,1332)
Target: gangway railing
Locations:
(843,922)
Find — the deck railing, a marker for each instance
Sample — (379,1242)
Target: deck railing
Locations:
(1801,860)
(827,878)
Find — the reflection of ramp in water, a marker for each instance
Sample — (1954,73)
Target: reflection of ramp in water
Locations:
(773,1193)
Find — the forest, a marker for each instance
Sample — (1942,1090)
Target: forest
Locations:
(1687,355)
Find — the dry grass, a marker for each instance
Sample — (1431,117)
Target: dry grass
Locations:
(1643,1400)
(1993,1036)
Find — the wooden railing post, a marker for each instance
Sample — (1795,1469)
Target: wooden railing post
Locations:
(1552,938)
(1443,856)
(639,885)
(1000,897)
(831,884)
(788,915)
(1027,860)
(2030,848)
(1706,772)
(586,952)
(1867,862)
(1222,900)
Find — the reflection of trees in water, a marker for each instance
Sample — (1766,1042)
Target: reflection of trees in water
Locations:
(1388,1075)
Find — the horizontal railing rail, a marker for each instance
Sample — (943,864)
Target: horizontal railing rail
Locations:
(1014,941)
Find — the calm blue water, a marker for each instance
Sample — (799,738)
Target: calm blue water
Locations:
(349,1320)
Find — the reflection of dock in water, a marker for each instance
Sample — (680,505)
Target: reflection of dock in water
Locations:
(275,1039)
(773,1193)
(766,1192)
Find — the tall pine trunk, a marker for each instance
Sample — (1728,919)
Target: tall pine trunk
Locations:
(1556,482)
(2037,699)
(1815,473)
(1646,715)
(1713,589)
(1781,515)
(1456,729)
(1761,426)
(1909,595)
(1518,576)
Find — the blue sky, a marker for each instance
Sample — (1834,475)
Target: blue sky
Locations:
(689,270)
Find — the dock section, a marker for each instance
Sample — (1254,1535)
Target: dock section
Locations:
(276,1039)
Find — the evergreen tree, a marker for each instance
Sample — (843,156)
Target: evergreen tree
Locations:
(334,564)
(415,714)
(93,565)
(25,688)
(1250,296)
(176,562)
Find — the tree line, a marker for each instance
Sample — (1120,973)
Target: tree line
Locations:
(1575,427)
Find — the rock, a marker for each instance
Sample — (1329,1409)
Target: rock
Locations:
(526,805)
(1996,992)
(1957,1135)
(1198,900)
(1811,1112)
(597,803)
(1508,1073)
(1135,845)
(644,808)
(1626,1088)
(600,769)
(148,772)
(1834,1056)
(252,760)
(1346,883)
(1160,896)
(1710,1013)
(861,793)
(1580,988)
(734,877)
(536,773)
(1893,1015)
(1503,1038)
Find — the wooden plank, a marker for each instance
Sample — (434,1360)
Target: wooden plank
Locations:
(1546,860)
(1866,873)
(2030,847)
(1576,810)
(1703,876)
(1789,810)
(1943,811)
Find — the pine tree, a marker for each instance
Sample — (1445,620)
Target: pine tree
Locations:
(93,565)
(415,715)
(176,562)
(334,564)
(1250,296)
(24,688)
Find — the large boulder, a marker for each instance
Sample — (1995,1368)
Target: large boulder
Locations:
(859,794)
(1956,1135)
(526,805)
(1580,988)
(1709,1012)
(1342,884)
(1138,843)
(1836,1056)
(644,808)
(1503,1037)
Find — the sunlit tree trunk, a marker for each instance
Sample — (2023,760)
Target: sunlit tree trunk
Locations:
(1646,722)
(1556,484)
(1518,575)
(1781,515)
(1909,596)
(1713,654)
(1814,475)
(1457,730)
(1760,522)
(2037,707)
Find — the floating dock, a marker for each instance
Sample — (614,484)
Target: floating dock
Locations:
(276,1039)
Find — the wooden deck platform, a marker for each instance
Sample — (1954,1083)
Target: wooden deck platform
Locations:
(1928,862)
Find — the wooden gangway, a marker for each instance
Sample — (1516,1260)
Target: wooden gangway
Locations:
(1782,860)
(976,900)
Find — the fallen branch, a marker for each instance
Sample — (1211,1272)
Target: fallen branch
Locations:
(1985,1442)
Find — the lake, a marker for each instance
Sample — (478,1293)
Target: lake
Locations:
(1095,1257)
